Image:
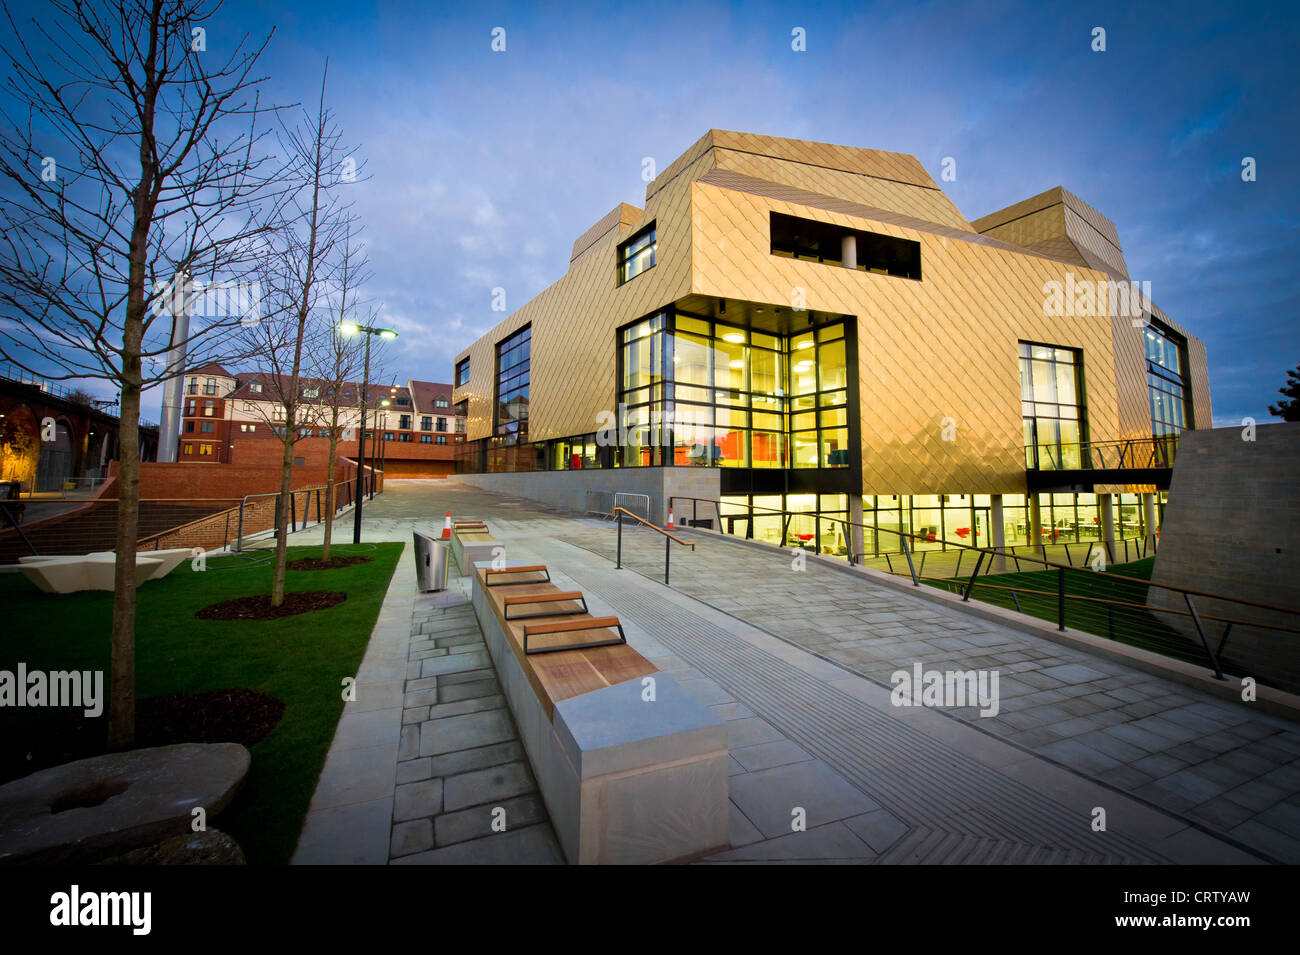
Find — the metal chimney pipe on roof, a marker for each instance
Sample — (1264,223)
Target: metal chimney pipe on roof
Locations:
(169,425)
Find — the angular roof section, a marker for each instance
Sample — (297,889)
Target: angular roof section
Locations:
(351,390)
(620,217)
(211,368)
(896,182)
(1060,225)
(425,393)
(770,190)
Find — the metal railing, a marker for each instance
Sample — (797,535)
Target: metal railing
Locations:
(618,514)
(341,500)
(1095,599)
(1124,454)
(600,504)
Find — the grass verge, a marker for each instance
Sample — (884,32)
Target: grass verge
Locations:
(299,660)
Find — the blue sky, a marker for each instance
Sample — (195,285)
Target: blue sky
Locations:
(485,166)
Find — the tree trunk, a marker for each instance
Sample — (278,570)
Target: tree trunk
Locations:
(329,491)
(282,518)
(121,703)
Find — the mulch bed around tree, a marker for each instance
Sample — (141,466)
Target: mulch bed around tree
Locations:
(315,563)
(215,716)
(259,607)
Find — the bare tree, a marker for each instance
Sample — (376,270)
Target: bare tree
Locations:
(298,274)
(129,155)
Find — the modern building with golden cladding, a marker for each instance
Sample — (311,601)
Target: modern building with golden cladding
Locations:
(792,326)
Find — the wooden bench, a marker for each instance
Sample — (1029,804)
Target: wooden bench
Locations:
(633,769)
(567,597)
(471,542)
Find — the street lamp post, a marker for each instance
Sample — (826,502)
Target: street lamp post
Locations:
(349,328)
(380,445)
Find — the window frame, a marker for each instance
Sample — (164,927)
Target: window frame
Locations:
(625,253)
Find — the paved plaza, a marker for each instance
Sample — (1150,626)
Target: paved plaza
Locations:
(798,664)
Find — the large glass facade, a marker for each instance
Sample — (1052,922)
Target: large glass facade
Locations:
(815,522)
(940,520)
(1051,400)
(695,392)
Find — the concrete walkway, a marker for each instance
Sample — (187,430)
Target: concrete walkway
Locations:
(798,663)
(1225,766)
(425,766)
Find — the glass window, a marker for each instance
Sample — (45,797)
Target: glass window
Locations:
(513,364)
(1167,384)
(462,372)
(636,254)
(1051,407)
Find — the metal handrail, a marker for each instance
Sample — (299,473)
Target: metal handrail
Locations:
(1060,592)
(1163,449)
(653,527)
(618,513)
(993,551)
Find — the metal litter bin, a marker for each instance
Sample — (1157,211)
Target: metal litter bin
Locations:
(430,563)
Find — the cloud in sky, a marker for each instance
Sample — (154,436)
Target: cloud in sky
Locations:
(484,167)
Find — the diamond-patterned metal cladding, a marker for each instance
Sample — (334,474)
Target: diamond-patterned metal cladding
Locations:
(945,347)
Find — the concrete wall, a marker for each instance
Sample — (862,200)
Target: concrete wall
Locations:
(1232,526)
(568,489)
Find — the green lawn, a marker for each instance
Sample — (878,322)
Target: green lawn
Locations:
(1133,626)
(300,660)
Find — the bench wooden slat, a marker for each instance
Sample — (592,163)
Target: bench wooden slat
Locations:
(530,569)
(558,670)
(544,598)
(565,626)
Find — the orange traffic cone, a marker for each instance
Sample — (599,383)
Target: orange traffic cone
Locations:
(446,527)
(670,517)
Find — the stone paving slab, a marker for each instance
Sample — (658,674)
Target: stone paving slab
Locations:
(808,656)
(1098,717)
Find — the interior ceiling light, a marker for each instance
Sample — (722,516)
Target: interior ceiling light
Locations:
(738,363)
(807,344)
(734,338)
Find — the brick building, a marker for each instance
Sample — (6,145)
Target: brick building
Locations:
(237,419)
(80,440)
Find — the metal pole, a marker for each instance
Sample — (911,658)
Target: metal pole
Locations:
(1226,631)
(1060,598)
(668,551)
(618,564)
(971,585)
(910,566)
(361,446)
(1196,619)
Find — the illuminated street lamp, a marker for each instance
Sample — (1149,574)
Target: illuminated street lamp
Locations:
(349,329)
(380,448)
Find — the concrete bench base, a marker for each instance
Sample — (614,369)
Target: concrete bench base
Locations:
(625,780)
(472,546)
(66,575)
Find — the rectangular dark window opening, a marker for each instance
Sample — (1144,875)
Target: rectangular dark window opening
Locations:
(462,372)
(813,241)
